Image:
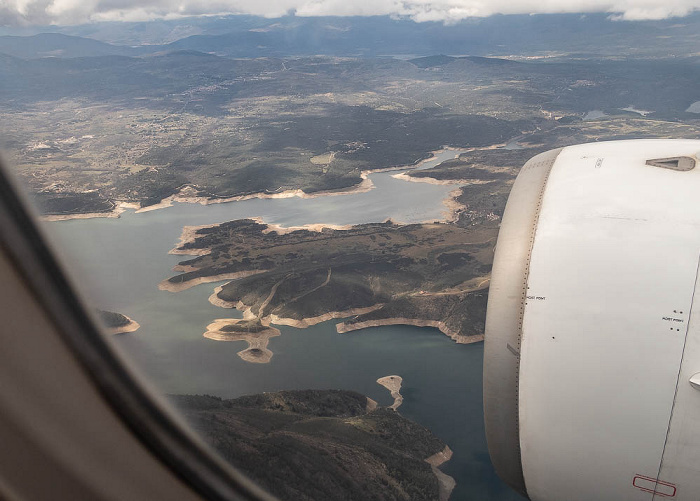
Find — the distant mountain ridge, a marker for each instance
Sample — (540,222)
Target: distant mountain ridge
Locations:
(442,60)
(249,36)
(58,45)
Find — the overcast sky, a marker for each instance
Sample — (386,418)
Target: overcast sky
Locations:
(69,12)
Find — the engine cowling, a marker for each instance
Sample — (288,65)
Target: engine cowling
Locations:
(591,336)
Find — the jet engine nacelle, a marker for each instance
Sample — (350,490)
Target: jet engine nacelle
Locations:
(592,352)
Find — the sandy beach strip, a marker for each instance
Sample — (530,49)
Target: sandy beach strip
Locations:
(393,384)
(344,327)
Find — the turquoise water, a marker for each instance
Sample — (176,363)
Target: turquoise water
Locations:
(118,264)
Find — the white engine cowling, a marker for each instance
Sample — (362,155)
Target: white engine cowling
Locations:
(592,341)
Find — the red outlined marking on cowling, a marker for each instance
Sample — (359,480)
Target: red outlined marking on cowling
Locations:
(654,486)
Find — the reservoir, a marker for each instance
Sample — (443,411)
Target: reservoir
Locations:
(118,264)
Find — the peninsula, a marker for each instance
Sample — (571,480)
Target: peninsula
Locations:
(376,274)
(322,444)
(252,331)
(393,384)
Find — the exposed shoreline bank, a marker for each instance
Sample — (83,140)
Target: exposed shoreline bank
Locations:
(189,235)
(257,351)
(362,187)
(345,327)
(132,326)
(453,208)
(119,208)
(404,176)
(286,321)
(446,483)
(308,322)
(393,384)
(167,285)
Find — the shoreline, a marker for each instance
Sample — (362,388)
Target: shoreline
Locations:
(371,406)
(189,233)
(217,301)
(188,236)
(393,384)
(167,285)
(119,209)
(315,227)
(446,483)
(439,458)
(363,186)
(453,208)
(331,315)
(286,321)
(256,352)
(344,327)
(132,326)
(403,176)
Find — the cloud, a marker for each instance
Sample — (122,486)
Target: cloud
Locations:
(67,12)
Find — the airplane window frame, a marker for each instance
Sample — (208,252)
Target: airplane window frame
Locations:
(130,398)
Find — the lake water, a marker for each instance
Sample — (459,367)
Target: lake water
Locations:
(594,115)
(514,144)
(632,109)
(694,107)
(118,264)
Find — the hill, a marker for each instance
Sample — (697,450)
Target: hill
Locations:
(319,444)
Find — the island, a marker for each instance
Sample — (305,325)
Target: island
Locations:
(393,384)
(117,323)
(322,444)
